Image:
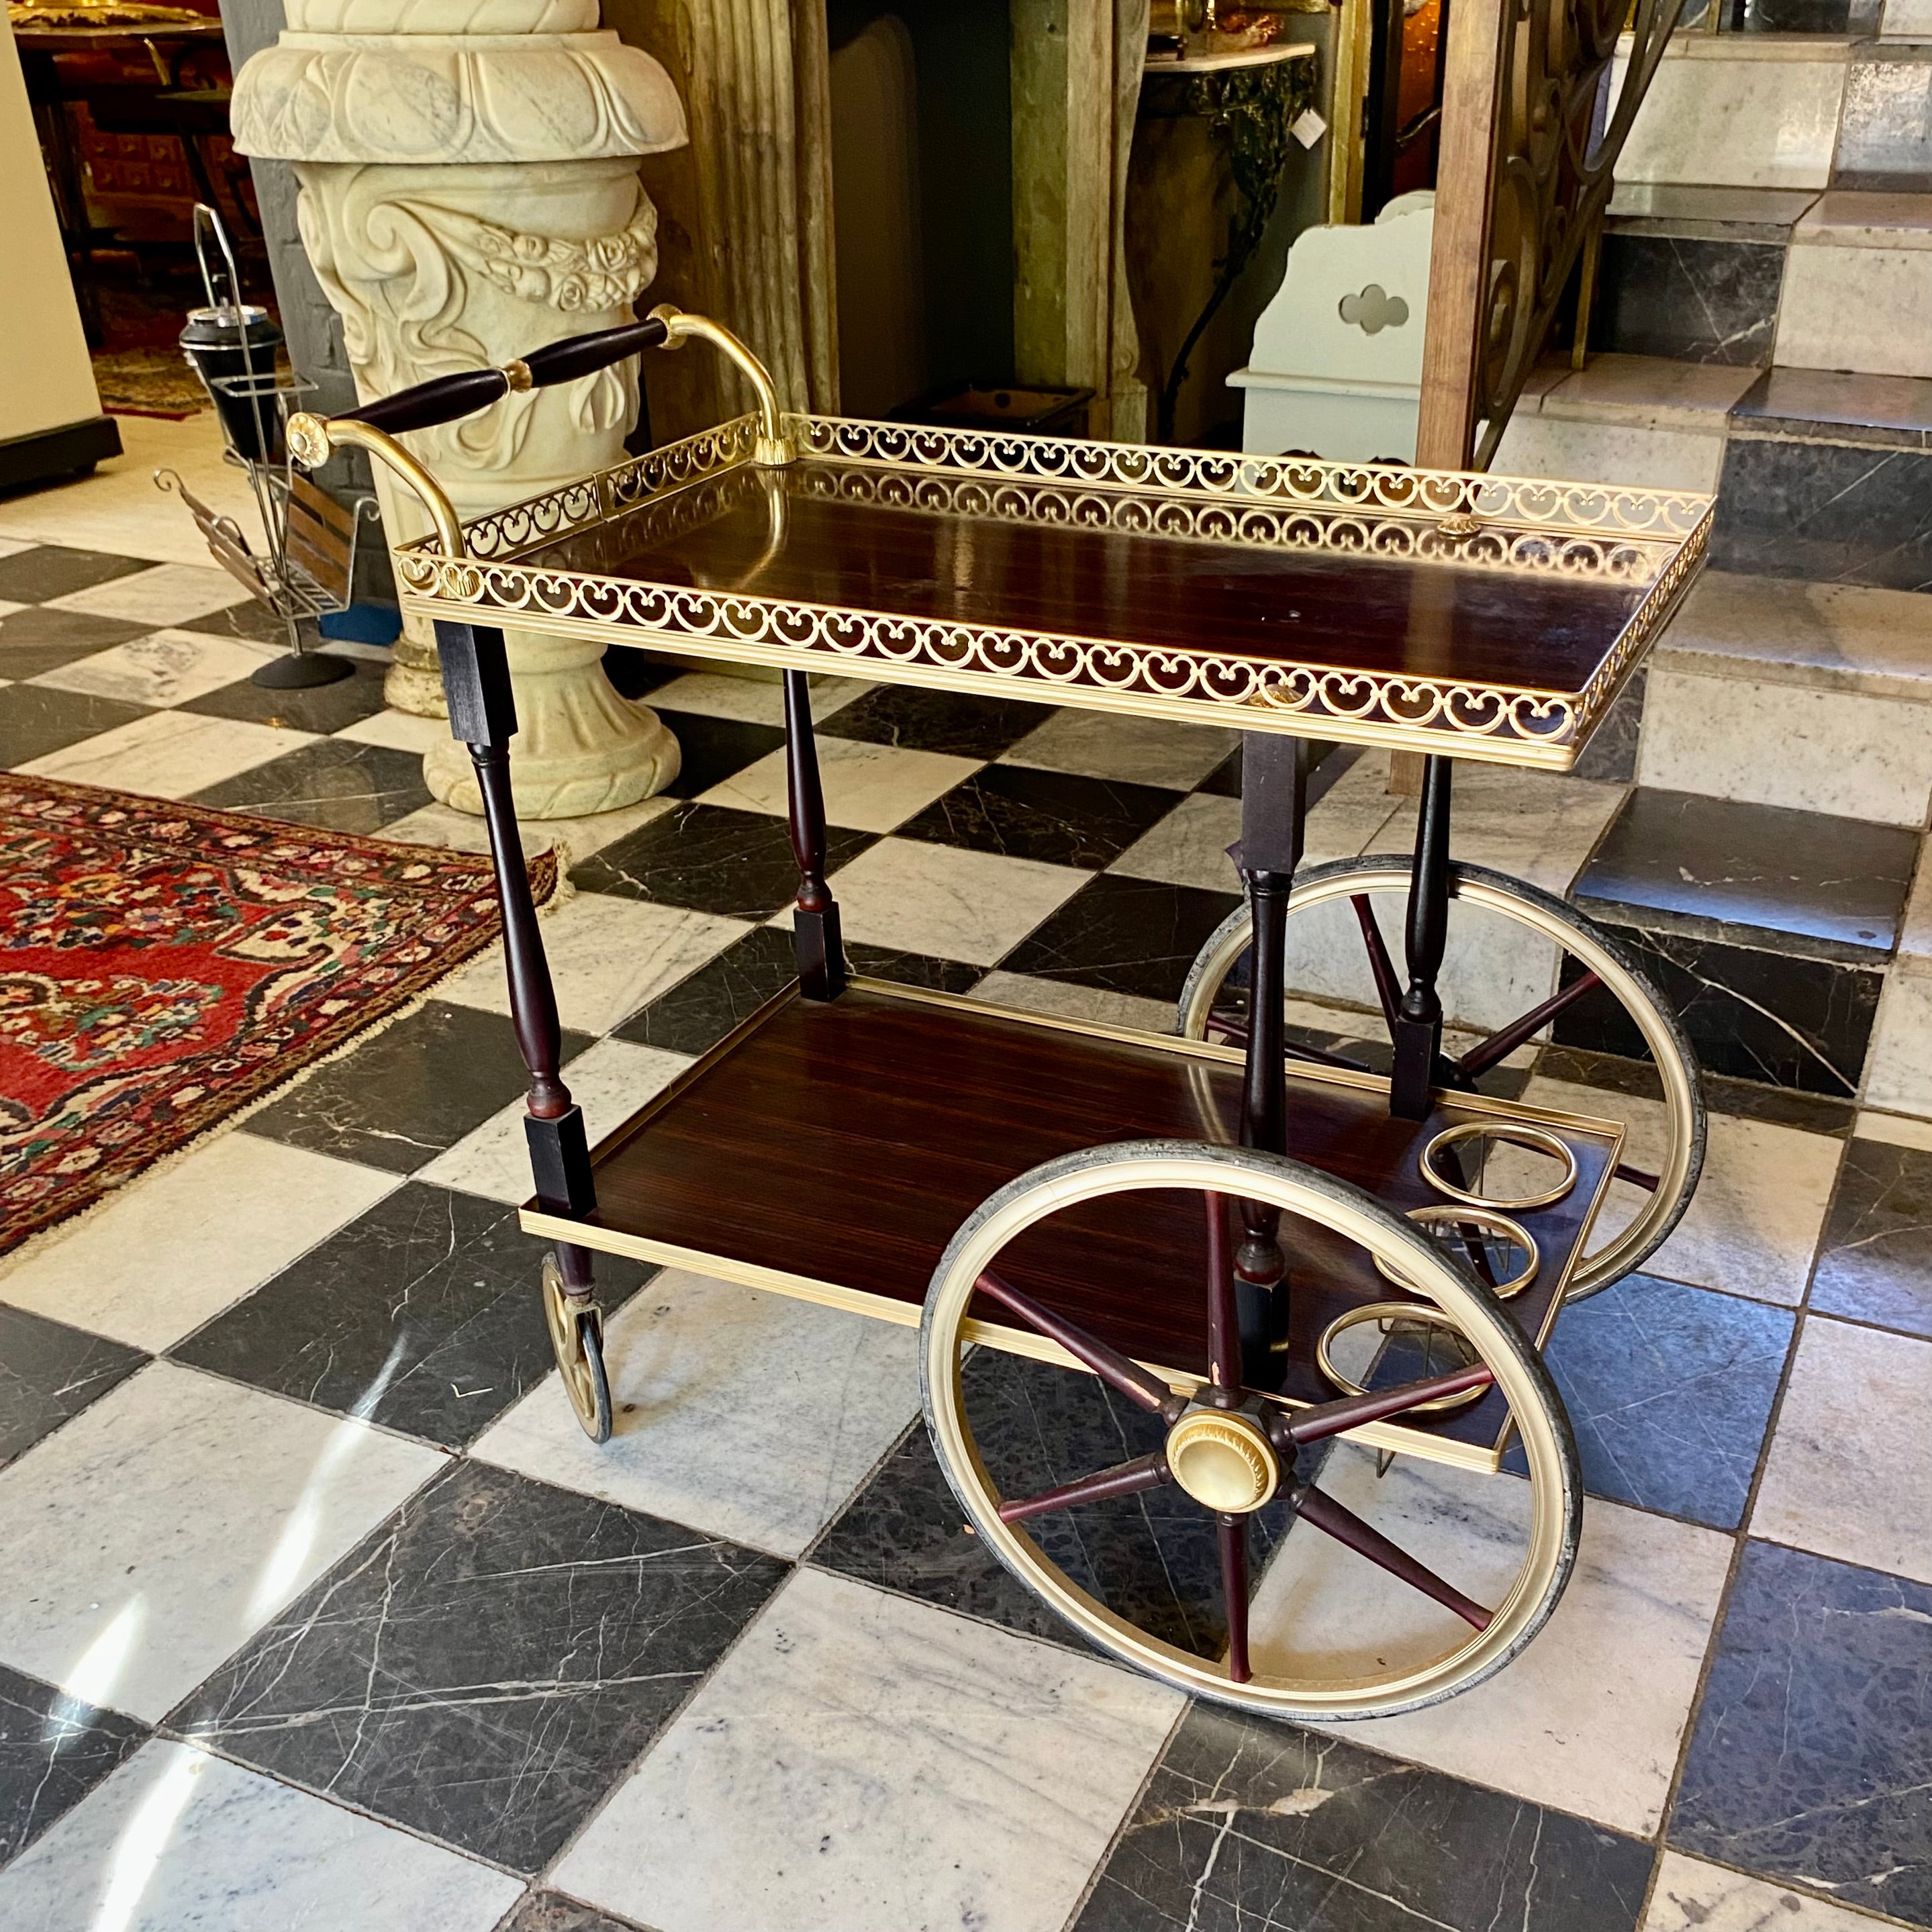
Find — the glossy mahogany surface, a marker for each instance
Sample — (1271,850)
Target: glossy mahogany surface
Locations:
(845,1143)
(832,540)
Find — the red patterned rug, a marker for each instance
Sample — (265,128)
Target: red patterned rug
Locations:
(162,965)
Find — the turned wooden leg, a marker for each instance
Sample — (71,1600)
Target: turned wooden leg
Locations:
(1418,1023)
(814,921)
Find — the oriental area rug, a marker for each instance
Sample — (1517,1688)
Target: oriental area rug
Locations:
(163,965)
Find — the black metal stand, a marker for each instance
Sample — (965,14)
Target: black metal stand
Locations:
(301,670)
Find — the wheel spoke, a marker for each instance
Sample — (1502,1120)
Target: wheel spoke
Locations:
(1124,1479)
(1232,1532)
(1504,1041)
(1638,1177)
(1347,1528)
(1231,1026)
(1330,1418)
(1380,965)
(1117,1371)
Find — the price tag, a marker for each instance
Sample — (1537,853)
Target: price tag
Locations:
(1308,128)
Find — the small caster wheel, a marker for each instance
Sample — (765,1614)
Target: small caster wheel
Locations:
(576,1338)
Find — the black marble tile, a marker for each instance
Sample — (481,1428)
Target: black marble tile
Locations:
(418,1087)
(53,1751)
(34,640)
(1811,1759)
(323,707)
(911,969)
(1054,817)
(48,1373)
(1786,16)
(486,1665)
(1807,882)
(698,1012)
(423,1315)
(33,576)
(1127,935)
(1830,512)
(1249,1824)
(1875,1258)
(338,785)
(1153,1558)
(711,859)
(1694,300)
(1611,754)
(936,721)
(1782,1106)
(713,749)
(551,1912)
(35,720)
(1844,406)
(255,622)
(1669,1390)
(1750,1015)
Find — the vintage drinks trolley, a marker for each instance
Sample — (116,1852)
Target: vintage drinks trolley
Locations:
(1254,1243)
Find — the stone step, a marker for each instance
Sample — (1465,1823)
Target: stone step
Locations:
(1857,285)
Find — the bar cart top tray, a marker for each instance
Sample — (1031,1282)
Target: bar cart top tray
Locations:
(859,1132)
(1487,617)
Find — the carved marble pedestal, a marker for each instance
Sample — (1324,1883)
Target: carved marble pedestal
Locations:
(467,194)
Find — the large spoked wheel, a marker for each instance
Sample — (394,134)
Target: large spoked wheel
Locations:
(1505,988)
(1237,1468)
(576,1340)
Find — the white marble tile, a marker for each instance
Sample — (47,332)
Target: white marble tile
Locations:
(172,593)
(1356,813)
(1649,392)
(754,700)
(1689,1896)
(1894,1130)
(1906,20)
(179,1841)
(1862,308)
(946,900)
(608,957)
(1738,115)
(1138,751)
(1753,1225)
(1062,997)
(12,547)
(165,668)
(1898,1070)
(610,1082)
(400,731)
(574,839)
(1572,450)
(159,1530)
(1834,752)
(1589,1717)
(1538,825)
(168,754)
(1849,1474)
(860,1762)
(745,1414)
(1190,846)
(171,1250)
(869,787)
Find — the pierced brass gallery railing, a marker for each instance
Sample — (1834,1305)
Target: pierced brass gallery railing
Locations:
(1531,130)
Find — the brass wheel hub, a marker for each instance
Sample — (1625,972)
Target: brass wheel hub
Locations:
(566,1336)
(1223,1460)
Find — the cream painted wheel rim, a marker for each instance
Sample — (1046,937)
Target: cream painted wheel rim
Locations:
(1556,1489)
(1563,926)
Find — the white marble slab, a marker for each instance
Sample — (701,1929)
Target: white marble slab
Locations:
(947,901)
(608,957)
(1849,1474)
(1538,825)
(168,754)
(1062,997)
(1689,1896)
(1590,1716)
(171,1250)
(1894,1129)
(1752,1227)
(173,593)
(179,1841)
(1138,751)
(1834,752)
(1648,392)
(1906,20)
(400,731)
(754,700)
(1190,846)
(742,1414)
(1570,449)
(165,668)
(154,1535)
(573,839)
(1855,307)
(1735,113)
(861,1763)
(869,787)
(610,1082)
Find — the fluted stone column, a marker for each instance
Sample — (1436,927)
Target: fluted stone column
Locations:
(469,182)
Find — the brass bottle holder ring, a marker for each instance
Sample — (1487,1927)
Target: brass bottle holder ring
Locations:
(1386,1312)
(1506,1133)
(1444,1223)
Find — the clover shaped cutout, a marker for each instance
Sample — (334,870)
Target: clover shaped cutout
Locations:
(1374,309)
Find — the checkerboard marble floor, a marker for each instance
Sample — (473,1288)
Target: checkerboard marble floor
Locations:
(316,1609)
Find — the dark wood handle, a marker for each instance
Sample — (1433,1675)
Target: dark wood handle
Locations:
(584,354)
(441,400)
